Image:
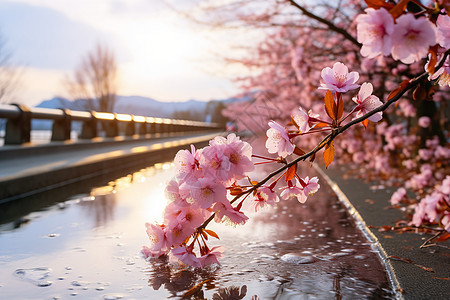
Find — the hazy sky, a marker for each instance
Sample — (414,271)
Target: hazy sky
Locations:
(160,54)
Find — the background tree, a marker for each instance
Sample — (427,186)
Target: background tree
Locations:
(297,39)
(10,74)
(96,80)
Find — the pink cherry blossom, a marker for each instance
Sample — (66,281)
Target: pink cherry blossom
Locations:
(238,153)
(186,256)
(442,74)
(338,79)
(214,163)
(265,196)
(302,189)
(424,122)
(225,212)
(411,38)
(158,240)
(187,162)
(193,216)
(398,196)
(294,191)
(178,232)
(278,140)
(367,102)
(419,214)
(172,191)
(204,192)
(443,31)
(304,119)
(310,186)
(212,256)
(374,30)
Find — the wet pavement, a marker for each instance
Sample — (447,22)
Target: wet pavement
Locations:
(87,246)
(419,272)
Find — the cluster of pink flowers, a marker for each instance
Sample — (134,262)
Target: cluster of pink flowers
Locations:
(199,193)
(199,190)
(435,207)
(407,38)
(339,80)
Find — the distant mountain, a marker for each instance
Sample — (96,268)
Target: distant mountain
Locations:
(137,105)
(142,106)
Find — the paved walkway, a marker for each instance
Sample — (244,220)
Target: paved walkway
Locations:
(28,169)
(416,273)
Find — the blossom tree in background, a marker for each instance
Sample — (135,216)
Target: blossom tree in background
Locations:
(345,66)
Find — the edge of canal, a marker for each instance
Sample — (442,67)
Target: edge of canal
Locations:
(361,224)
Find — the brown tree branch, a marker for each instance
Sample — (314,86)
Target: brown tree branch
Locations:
(329,24)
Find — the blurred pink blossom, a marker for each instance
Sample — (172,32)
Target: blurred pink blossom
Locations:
(424,122)
(443,31)
(398,196)
(411,38)
(374,30)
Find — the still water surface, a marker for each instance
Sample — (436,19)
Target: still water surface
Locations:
(87,246)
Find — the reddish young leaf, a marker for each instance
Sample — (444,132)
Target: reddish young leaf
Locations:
(398,9)
(442,238)
(377,4)
(328,154)
(211,233)
(312,158)
(395,91)
(365,123)
(433,59)
(236,190)
(330,105)
(321,125)
(299,151)
(290,173)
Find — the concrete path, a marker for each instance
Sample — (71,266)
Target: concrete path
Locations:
(416,273)
(28,169)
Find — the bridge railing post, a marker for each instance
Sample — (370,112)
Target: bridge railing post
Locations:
(143,128)
(89,129)
(130,128)
(61,129)
(18,130)
(111,128)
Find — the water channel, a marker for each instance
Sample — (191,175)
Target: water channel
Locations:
(86,245)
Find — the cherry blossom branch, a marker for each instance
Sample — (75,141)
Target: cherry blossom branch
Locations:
(330,25)
(331,136)
(413,83)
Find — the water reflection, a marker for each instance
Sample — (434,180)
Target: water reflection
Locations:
(86,242)
(100,208)
(190,283)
